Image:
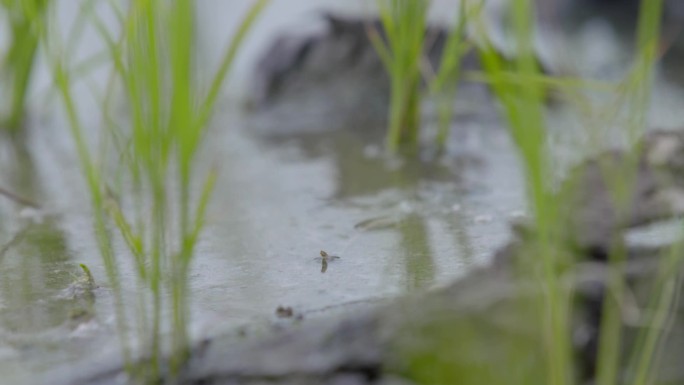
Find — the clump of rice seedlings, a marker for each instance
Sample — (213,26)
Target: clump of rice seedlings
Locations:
(25,21)
(154,61)
(401,47)
(404,23)
(520,90)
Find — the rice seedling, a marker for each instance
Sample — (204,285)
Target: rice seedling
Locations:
(519,87)
(522,106)
(154,61)
(26,20)
(404,23)
(643,354)
(444,84)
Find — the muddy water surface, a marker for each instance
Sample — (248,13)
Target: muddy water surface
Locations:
(397,227)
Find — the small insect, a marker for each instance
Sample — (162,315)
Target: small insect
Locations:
(325,258)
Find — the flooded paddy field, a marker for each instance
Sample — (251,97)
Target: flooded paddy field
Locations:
(309,217)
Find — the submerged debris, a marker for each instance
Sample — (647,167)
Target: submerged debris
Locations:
(378,223)
(80,295)
(284,312)
(16,198)
(83,287)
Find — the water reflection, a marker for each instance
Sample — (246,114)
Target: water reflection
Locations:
(459,225)
(414,248)
(34,261)
(33,274)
